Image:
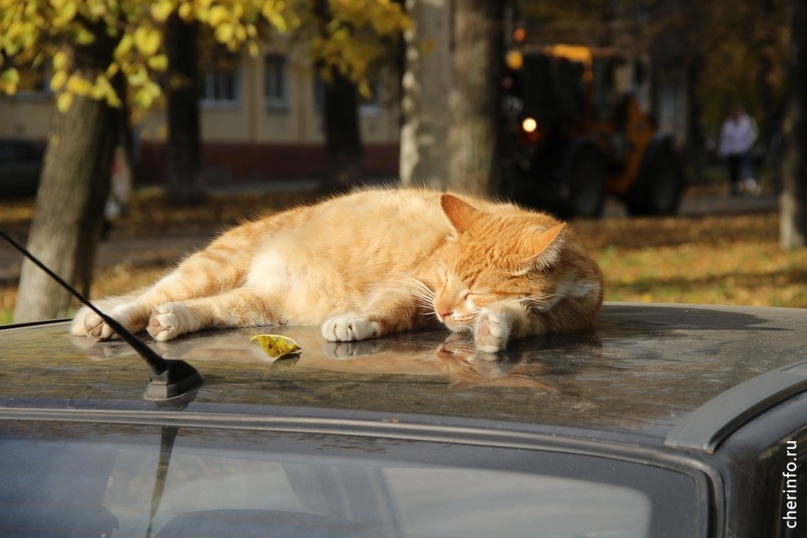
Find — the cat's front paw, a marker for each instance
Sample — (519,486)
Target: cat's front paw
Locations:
(492,331)
(96,327)
(168,321)
(347,327)
(79,326)
(88,323)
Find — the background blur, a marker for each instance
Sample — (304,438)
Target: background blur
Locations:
(134,128)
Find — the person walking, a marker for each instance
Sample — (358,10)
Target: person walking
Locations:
(737,136)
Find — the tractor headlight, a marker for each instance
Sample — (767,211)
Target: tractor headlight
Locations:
(529,125)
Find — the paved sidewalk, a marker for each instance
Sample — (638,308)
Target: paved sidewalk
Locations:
(137,252)
(703,205)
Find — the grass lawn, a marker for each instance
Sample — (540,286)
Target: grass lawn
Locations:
(733,259)
(719,260)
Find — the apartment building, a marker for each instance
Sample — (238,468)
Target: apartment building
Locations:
(261,118)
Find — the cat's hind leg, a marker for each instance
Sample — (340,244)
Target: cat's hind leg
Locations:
(206,273)
(241,307)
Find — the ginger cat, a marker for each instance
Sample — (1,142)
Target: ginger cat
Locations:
(376,262)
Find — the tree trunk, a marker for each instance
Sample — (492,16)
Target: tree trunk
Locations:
(184,153)
(69,208)
(72,192)
(426,86)
(474,134)
(793,200)
(341,115)
(123,167)
(342,134)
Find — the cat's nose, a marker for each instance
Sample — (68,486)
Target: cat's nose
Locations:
(444,311)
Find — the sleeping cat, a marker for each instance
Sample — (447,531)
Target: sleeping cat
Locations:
(376,262)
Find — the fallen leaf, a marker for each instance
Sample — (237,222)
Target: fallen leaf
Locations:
(275,345)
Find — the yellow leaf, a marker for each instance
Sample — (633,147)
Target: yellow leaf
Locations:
(147,40)
(217,16)
(84,37)
(161,10)
(64,101)
(186,12)
(224,32)
(124,46)
(158,62)
(11,75)
(9,79)
(112,99)
(274,345)
(79,85)
(60,60)
(137,76)
(66,11)
(58,80)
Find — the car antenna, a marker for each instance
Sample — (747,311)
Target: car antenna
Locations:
(168,378)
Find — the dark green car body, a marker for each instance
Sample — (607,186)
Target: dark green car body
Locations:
(667,420)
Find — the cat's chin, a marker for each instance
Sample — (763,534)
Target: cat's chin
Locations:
(457,328)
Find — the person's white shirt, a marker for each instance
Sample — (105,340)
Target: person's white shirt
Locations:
(737,136)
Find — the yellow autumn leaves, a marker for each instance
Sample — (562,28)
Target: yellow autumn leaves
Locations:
(345,44)
(35,31)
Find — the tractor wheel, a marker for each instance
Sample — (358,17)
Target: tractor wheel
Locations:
(658,189)
(585,178)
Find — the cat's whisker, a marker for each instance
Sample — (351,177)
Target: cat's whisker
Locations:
(422,297)
(415,286)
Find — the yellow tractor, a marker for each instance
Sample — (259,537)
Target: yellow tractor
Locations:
(574,138)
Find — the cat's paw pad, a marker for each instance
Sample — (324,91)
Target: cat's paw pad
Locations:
(168,321)
(78,327)
(94,326)
(347,328)
(492,331)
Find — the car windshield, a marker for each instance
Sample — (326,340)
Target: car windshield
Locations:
(131,480)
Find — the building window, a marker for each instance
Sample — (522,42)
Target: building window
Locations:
(221,82)
(34,80)
(319,93)
(371,106)
(275,82)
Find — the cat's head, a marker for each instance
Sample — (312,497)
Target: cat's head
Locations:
(511,254)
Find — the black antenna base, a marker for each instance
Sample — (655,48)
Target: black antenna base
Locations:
(177,379)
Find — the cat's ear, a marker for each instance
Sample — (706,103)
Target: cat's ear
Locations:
(546,246)
(460,214)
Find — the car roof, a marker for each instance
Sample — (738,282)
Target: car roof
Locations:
(648,370)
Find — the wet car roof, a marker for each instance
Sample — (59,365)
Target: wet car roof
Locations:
(643,370)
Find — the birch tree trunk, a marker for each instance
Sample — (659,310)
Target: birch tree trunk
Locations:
(474,139)
(426,87)
(793,200)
